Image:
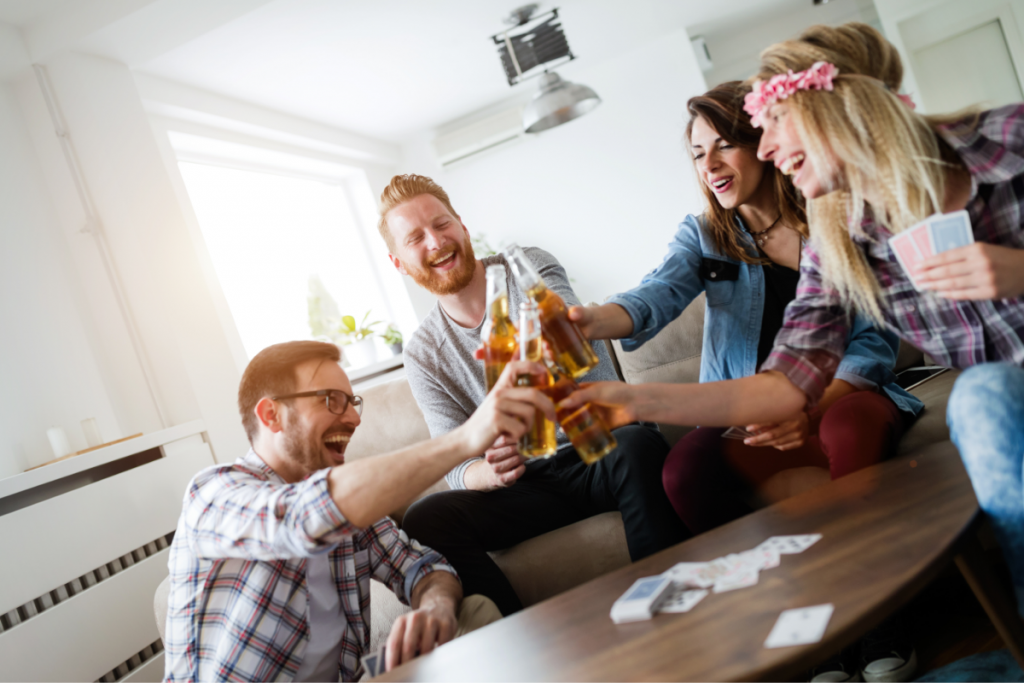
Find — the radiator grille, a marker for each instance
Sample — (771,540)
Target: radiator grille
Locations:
(36,606)
(132,663)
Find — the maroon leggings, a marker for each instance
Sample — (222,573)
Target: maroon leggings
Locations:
(709,480)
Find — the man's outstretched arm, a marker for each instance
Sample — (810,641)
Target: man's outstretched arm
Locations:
(369,489)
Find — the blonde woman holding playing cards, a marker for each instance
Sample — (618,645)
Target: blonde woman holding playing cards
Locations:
(744,252)
(871,168)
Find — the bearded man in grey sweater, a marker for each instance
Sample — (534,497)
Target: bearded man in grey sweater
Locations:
(502,499)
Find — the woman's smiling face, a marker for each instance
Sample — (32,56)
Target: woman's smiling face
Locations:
(733,174)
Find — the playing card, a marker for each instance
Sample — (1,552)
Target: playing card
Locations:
(369,663)
(642,599)
(949,231)
(681,599)
(762,557)
(922,239)
(800,626)
(736,433)
(741,577)
(374,664)
(907,253)
(790,545)
(685,574)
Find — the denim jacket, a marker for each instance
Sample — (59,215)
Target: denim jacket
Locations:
(732,323)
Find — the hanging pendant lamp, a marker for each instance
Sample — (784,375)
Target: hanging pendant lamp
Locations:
(557,102)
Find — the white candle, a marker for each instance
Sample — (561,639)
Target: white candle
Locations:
(92,432)
(58,441)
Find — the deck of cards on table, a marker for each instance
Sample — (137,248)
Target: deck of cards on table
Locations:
(685,584)
(933,235)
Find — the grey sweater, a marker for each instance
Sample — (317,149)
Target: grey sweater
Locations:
(448,382)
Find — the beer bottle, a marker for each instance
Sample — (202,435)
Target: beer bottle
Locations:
(540,439)
(586,430)
(572,350)
(498,334)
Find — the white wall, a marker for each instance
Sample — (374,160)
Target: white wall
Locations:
(910,24)
(194,375)
(48,372)
(736,47)
(603,193)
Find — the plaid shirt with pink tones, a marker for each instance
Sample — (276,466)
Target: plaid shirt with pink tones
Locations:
(955,333)
(238,603)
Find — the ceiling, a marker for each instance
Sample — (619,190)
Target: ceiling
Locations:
(23,12)
(384,68)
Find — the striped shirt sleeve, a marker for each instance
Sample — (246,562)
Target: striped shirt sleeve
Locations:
(230,513)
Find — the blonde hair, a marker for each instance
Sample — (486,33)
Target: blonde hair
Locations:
(401,189)
(892,160)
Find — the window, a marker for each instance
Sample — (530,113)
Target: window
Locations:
(271,237)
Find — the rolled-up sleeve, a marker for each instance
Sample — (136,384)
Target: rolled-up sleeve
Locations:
(870,356)
(814,334)
(231,513)
(401,562)
(667,290)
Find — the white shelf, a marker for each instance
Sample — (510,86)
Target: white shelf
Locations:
(380,367)
(58,470)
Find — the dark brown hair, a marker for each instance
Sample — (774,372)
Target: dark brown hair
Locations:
(271,372)
(722,108)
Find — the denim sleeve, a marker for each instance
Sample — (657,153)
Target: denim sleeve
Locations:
(667,290)
(870,356)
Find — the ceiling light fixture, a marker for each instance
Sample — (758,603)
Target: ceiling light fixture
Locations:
(532,47)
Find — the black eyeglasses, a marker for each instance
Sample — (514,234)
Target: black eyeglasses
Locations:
(337,400)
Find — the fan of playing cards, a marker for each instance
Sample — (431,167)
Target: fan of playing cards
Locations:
(680,588)
(931,236)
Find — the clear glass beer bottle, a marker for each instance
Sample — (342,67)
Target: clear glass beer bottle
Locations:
(498,335)
(586,430)
(540,439)
(571,349)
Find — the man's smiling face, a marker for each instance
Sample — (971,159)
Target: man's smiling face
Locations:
(314,437)
(431,245)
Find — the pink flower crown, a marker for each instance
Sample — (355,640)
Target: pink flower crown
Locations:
(781,86)
(764,95)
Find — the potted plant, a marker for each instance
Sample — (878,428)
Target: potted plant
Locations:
(393,339)
(358,340)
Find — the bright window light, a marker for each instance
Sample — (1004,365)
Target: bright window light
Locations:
(267,236)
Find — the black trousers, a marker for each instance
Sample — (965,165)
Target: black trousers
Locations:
(465,525)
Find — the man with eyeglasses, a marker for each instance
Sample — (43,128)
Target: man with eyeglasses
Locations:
(271,561)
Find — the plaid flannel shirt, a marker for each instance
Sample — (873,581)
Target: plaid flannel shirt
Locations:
(955,333)
(238,602)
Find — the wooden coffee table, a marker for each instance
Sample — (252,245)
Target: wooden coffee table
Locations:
(887,531)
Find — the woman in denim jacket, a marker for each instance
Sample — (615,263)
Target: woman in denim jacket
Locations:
(745,253)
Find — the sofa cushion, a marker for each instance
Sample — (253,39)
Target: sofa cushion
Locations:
(908,357)
(672,355)
(930,427)
(549,564)
(391,420)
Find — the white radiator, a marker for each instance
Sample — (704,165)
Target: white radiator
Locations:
(83,546)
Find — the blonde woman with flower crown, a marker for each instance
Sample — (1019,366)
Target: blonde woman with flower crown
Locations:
(870,167)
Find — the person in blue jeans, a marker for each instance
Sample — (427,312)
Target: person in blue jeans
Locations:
(870,168)
(986,422)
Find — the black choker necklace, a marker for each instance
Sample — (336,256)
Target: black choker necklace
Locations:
(762,237)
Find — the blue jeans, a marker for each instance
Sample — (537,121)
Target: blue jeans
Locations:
(986,422)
